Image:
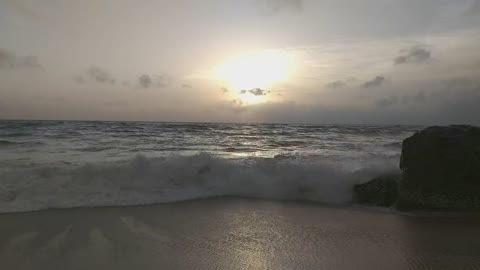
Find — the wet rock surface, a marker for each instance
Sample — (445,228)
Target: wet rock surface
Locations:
(440,170)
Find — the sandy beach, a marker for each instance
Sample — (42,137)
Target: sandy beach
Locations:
(236,234)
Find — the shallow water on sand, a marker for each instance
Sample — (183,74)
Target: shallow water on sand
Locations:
(236,234)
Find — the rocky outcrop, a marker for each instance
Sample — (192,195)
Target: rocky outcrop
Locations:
(440,170)
(381,191)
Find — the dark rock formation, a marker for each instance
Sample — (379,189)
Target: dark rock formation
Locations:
(381,191)
(441,169)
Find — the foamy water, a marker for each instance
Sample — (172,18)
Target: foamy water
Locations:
(58,164)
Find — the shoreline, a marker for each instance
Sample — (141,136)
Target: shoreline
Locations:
(353,206)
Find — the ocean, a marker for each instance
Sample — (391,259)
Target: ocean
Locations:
(212,196)
(65,164)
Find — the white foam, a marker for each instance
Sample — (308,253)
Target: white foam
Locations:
(161,180)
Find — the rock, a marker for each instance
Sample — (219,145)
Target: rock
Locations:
(381,191)
(441,169)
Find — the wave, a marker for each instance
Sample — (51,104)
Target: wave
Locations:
(161,180)
(5,143)
(16,134)
(394,145)
(96,148)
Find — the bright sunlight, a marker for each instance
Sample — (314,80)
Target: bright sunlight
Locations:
(256,70)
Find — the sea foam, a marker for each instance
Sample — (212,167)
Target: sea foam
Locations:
(144,180)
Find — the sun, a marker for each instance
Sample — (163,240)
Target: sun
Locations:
(249,98)
(255,70)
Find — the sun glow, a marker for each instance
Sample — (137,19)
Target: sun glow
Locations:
(249,98)
(256,70)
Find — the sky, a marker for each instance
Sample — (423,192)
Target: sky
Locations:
(287,61)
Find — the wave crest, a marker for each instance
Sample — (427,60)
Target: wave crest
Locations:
(160,180)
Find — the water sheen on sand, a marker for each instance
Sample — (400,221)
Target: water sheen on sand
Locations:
(236,234)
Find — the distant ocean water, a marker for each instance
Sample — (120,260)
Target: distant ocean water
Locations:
(62,164)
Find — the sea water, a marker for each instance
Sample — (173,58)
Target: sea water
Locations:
(62,164)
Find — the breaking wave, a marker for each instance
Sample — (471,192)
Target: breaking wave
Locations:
(161,180)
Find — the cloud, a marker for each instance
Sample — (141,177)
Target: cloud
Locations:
(224,90)
(376,82)
(413,55)
(341,83)
(405,100)
(10,60)
(79,79)
(454,101)
(147,81)
(336,85)
(387,102)
(100,75)
(255,91)
(186,85)
(437,105)
(7,59)
(235,106)
(460,84)
(459,100)
(163,80)
(420,97)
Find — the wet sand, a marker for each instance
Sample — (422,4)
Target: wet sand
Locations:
(236,234)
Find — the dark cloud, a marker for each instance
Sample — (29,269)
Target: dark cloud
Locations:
(376,82)
(449,90)
(405,100)
(413,55)
(255,91)
(100,75)
(454,101)
(10,60)
(420,97)
(79,79)
(28,62)
(460,84)
(341,83)
(387,102)
(162,80)
(336,85)
(433,106)
(7,59)
(459,100)
(148,81)
(145,81)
